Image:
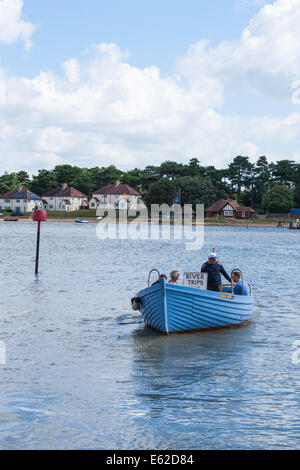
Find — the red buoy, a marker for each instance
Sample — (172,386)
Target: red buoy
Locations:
(39,216)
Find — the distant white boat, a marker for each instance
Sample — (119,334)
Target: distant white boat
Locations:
(81,221)
(99,218)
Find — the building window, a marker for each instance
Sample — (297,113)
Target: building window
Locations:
(51,198)
(7,201)
(51,206)
(228,213)
(92,204)
(18,201)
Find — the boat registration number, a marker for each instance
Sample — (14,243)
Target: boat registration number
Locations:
(226,296)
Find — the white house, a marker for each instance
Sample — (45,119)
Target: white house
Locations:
(116,196)
(65,198)
(19,200)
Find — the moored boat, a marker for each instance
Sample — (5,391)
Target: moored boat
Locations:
(81,221)
(10,219)
(170,308)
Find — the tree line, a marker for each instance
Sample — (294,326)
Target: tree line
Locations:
(264,186)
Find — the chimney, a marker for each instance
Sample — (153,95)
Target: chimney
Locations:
(64,185)
(117,183)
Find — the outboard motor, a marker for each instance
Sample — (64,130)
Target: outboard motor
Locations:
(136,303)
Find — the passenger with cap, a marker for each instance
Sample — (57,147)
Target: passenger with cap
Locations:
(214,270)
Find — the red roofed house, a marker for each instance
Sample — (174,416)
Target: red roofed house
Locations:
(19,200)
(116,196)
(229,208)
(65,198)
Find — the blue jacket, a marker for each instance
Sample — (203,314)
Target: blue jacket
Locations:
(214,272)
(239,288)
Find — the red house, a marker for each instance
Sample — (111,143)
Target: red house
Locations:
(229,208)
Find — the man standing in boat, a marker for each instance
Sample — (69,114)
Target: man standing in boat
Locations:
(214,269)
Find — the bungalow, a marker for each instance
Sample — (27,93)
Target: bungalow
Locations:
(65,198)
(19,200)
(116,196)
(229,208)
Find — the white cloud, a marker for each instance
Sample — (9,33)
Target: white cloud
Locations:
(102,110)
(12,25)
(266,58)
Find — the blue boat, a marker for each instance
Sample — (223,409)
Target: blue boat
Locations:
(81,221)
(170,308)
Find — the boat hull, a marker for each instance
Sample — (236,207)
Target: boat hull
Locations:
(170,309)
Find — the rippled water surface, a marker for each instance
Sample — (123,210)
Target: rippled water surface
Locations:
(82,371)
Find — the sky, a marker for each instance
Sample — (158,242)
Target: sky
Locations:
(134,83)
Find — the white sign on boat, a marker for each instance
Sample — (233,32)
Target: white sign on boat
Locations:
(197,280)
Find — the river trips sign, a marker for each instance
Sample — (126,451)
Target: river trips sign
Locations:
(197,280)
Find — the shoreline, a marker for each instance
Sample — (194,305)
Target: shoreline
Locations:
(206,224)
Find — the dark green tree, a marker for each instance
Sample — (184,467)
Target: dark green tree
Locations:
(8,181)
(43,182)
(262,178)
(197,191)
(24,179)
(161,192)
(238,174)
(193,191)
(283,172)
(109,175)
(171,170)
(66,173)
(133,178)
(84,182)
(194,168)
(279,199)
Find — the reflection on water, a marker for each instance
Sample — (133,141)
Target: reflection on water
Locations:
(83,372)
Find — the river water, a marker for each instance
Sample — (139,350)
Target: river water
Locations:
(82,372)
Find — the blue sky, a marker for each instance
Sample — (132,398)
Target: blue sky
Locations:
(132,83)
(156,32)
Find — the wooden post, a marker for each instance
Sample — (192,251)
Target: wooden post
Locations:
(37,248)
(38,216)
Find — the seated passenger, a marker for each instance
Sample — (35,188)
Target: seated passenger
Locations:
(162,276)
(174,275)
(241,287)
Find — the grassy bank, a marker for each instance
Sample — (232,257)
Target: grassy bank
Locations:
(253,221)
(80,214)
(90,214)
